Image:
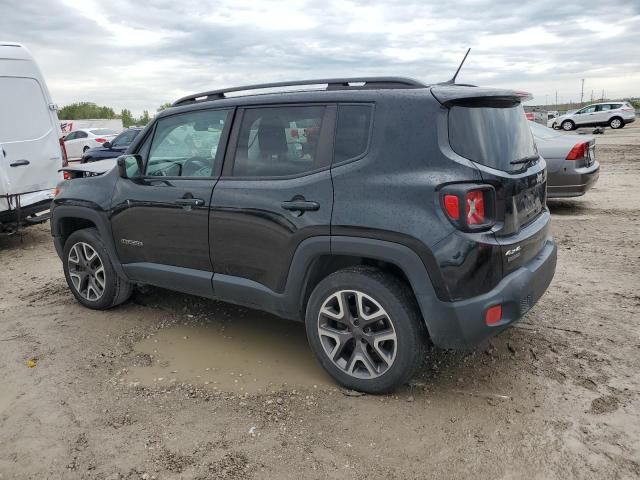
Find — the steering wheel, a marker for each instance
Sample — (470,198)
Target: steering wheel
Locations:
(193,165)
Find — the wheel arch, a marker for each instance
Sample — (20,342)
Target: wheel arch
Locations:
(66,219)
(311,264)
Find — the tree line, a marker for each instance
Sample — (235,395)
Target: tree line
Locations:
(87,110)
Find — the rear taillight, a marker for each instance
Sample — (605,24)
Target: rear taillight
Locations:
(452,206)
(475,207)
(66,175)
(469,207)
(578,151)
(100,140)
(628,109)
(63,150)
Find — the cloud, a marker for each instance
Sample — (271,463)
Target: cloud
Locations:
(141,54)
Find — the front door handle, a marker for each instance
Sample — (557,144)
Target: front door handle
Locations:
(189,202)
(301,206)
(19,163)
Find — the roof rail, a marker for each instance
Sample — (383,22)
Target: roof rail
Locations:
(332,84)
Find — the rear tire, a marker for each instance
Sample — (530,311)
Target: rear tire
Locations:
(567,125)
(90,274)
(616,122)
(365,328)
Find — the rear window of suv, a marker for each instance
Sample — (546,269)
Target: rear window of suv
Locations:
(491,133)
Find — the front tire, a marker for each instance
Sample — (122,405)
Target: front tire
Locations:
(365,328)
(89,272)
(616,122)
(568,125)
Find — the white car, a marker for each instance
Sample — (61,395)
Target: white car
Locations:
(79,141)
(612,114)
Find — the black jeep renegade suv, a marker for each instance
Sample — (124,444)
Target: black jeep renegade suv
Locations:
(380,211)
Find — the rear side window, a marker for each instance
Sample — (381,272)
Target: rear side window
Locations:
(352,132)
(279,141)
(492,134)
(24,114)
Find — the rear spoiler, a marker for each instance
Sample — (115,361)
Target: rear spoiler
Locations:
(452,94)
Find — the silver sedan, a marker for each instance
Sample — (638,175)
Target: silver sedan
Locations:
(572,168)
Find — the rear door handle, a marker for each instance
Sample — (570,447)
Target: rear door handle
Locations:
(189,202)
(19,163)
(301,206)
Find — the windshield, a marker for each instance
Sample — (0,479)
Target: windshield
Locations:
(102,131)
(540,131)
(492,133)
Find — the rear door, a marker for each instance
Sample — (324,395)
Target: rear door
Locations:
(275,192)
(30,154)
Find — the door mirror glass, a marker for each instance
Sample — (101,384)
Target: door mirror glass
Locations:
(130,166)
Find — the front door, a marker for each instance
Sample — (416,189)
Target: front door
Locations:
(160,219)
(275,192)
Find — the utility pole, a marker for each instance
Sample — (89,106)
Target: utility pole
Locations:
(556,98)
(603,94)
(591,95)
(582,92)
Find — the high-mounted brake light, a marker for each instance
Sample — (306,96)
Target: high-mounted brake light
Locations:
(475,207)
(100,140)
(578,151)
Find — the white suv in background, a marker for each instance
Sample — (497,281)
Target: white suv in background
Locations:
(612,114)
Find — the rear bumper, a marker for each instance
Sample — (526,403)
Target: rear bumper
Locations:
(629,120)
(462,324)
(572,184)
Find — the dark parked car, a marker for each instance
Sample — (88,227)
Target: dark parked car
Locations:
(382,212)
(114,148)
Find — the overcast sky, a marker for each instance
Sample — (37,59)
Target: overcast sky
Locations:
(140,54)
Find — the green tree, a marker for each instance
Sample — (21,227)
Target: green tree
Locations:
(164,106)
(144,119)
(127,118)
(84,110)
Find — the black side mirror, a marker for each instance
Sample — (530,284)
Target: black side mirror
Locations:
(106,145)
(126,164)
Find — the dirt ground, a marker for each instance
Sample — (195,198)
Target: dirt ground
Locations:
(171,386)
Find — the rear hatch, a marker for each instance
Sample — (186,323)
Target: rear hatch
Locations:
(489,127)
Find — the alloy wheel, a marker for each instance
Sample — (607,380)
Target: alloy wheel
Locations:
(86,271)
(567,126)
(615,123)
(357,334)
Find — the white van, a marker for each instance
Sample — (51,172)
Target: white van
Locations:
(31,147)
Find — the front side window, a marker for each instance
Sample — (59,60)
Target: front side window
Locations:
(588,110)
(352,132)
(186,145)
(279,141)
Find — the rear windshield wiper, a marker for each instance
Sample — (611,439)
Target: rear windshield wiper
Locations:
(530,158)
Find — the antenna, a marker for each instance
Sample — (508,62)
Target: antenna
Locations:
(453,79)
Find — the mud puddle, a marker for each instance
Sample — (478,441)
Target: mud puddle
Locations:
(255,354)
